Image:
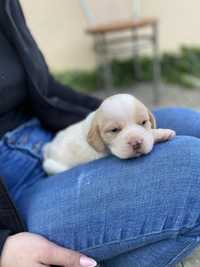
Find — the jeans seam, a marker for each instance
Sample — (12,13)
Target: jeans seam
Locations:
(8,137)
(130,239)
(191,245)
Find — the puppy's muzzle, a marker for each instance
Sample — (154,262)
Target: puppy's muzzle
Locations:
(136,144)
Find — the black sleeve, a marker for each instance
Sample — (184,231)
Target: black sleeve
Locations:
(60,106)
(56,105)
(3,236)
(70,95)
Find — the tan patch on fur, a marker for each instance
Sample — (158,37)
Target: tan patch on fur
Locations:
(152,120)
(94,137)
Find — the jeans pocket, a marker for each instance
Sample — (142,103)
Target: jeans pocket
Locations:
(28,138)
(21,156)
(17,168)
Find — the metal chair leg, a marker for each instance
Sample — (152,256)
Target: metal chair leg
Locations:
(108,77)
(136,61)
(97,49)
(156,66)
(103,62)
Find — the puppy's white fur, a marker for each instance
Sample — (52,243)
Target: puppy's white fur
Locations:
(122,126)
(70,148)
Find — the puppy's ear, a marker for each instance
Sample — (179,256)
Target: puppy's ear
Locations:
(94,138)
(152,120)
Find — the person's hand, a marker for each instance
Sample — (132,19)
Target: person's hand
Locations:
(30,250)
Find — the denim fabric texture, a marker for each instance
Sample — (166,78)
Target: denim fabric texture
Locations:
(143,212)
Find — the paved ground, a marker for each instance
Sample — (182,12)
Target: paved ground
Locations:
(169,95)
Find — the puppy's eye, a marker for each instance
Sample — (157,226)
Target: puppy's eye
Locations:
(143,122)
(115,130)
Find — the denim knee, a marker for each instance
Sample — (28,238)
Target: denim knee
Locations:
(182,159)
(184,121)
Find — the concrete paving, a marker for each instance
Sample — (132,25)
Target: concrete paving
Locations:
(169,95)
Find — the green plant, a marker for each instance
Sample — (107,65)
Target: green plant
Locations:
(182,68)
(81,80)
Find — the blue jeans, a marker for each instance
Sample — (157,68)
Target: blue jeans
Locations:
(143,212)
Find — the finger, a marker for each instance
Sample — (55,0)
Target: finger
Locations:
(56,255)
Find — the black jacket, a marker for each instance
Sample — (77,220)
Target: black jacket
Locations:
(54,104)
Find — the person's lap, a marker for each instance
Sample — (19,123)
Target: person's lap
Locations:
(184,121)
(109,207)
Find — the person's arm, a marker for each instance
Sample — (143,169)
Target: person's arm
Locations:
(56,105)
(72,96)
(59,106)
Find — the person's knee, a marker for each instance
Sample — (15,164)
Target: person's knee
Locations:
(180,156)
(184,121)
(181,168)
(182,149)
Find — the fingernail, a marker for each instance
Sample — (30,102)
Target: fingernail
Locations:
(87,262)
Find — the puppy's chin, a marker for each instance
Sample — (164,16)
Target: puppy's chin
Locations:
(128,153)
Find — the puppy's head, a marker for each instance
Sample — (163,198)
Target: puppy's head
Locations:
(122,126)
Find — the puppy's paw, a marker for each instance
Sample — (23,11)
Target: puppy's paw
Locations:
(168,134)
(161,135)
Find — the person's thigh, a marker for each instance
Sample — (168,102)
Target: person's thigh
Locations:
(184,121)
(110,206)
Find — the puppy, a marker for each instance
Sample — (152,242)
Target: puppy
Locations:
(121,126)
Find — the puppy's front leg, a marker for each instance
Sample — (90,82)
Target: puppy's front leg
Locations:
(161,135)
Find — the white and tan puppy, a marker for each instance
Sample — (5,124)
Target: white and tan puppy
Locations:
(121,126)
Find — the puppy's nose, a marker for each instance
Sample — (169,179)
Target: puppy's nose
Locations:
(136,144)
